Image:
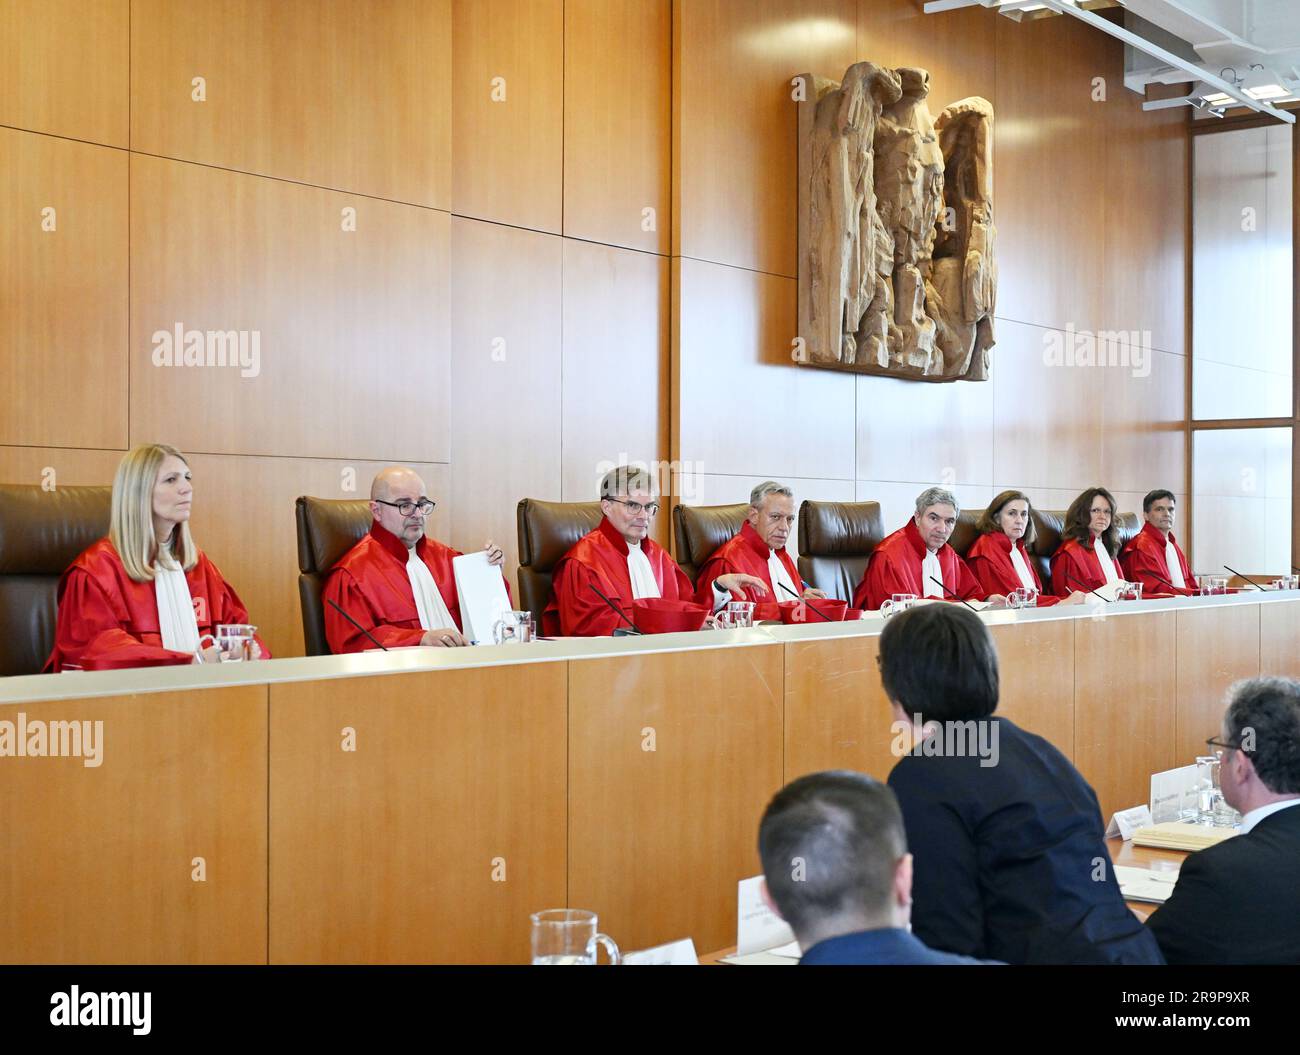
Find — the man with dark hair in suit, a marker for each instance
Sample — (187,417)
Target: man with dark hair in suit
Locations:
(1239,901)
(836,868)
(1011,860)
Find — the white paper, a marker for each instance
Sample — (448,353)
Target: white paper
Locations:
(1145,884)
(1126,822)
(675,953)
(758,928)
(759,959)
(482,594)
(1169,790)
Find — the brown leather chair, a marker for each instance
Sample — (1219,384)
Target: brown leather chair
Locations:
(327,529)
(700,530)
(836,539)
(41,533)
(547,531)
(965,533)
(1048,524)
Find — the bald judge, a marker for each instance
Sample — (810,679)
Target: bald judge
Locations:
(619,560)
(758,550)
(396,582)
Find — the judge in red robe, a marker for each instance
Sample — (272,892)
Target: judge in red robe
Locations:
(1086,559)
(758,550)
(397,583)
(917,554)
(1153,556)
(158,604)
(999,557)
(622,562)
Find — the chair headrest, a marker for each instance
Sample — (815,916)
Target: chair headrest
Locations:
(702,529)
(965,533)
(548,530)
(839,529)
(328,528)
(42,532)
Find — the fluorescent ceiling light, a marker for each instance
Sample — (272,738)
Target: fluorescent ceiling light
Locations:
(1267,91)
(1221,99)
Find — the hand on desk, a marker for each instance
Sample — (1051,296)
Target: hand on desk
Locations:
(447,637)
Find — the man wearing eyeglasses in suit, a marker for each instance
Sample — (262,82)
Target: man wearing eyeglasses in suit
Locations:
(397,582)
(1238,902)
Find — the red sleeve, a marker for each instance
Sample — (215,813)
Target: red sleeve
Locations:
(1140,565)
(88,632)
(713,567)
(968,587)
(582,613)
(1062,568)
(342,589)
(878,584)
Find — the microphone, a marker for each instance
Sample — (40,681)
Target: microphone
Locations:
(1078,583)
(354,622)
(802,601)
(1166,582)
(617,610)
(939,583)
(1240,576)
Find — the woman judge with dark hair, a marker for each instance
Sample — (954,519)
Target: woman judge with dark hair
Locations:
(999,558)
(1086,557)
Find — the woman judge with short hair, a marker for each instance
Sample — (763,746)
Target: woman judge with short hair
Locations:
(146,595)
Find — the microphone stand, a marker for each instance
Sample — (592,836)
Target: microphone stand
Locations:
(617,610)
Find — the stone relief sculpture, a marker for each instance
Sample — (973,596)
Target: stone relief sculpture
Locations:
(897,270)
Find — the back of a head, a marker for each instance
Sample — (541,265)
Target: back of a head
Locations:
(939,660)
(830,844)
(1264,717)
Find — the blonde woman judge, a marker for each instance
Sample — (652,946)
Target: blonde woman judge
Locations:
(147,595)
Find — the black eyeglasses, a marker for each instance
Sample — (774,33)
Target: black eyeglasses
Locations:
(424,505)
(1214,741)
(635,508)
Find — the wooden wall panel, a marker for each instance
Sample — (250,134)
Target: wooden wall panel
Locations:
(437,836)
(1036,668)
(734,192)
(353,324)
(351,96)
(1144,415)
(837,715)
(614,389)
(244,520)
(743,408)
(63,466)
(1279,630)
(1216,647)
(506,369)
(716,722)
(618,122)
(63,292)
(107,852)
(1124,726)
(63,68)
(508,152)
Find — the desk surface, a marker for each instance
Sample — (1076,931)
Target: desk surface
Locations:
(1121,853)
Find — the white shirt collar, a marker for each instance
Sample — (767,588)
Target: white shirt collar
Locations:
(931,570)
(1022,569)
(1103,558)
(1256,815)
(1174,565)
(640,572)
(431,608)
(777,573)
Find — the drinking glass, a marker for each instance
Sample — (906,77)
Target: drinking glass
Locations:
(569,936)
(513,628)
(235,640)
(1022,598)
(899,602)
(740,614)
(1128,591)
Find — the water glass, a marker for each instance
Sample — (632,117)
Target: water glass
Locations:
(513,628)
(899,602)
(1022,598)
(235,640)
(740,614)
(1128,591)
(569,937)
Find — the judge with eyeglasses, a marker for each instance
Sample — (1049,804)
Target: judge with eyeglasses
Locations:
(397,583)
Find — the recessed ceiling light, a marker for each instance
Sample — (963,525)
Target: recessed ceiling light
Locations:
(1267,91)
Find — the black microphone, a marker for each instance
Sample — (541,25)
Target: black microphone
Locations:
(1078,583)
(354,622)
(1165,581)
(616,608)
(1240,576)
(939,583)
(802,601)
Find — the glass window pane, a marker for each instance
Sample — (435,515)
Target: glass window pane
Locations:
(1241,485)
(1241,274)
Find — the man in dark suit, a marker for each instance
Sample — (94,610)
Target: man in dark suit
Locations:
(1011,860)
(1239,901)
(836,868)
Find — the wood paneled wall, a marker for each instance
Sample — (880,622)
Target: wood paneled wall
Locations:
(513,242)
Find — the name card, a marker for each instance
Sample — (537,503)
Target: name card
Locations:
(758,928)
(1126,822)
(674,954)
(1170,790)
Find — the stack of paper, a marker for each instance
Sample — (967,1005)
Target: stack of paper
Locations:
(1179,835)
(1145,884)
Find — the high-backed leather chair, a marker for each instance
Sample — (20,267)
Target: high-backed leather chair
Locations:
(964,534)
(1048,524)
(547,531)
(327,529)
(700,530)
(836,539)
(41,533)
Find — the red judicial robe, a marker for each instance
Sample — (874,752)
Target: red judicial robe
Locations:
(745,553)
(1076,567)
(599,558)
(107,620)
(370,583)
(1143,559)
(989,559)
(895,567)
